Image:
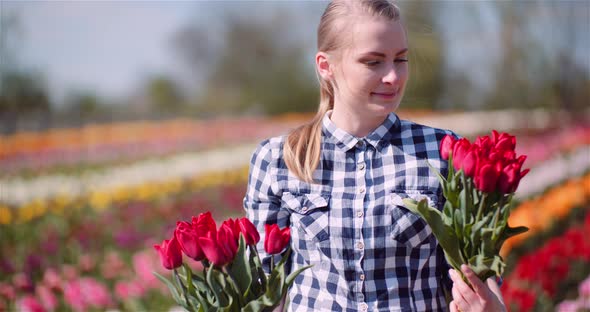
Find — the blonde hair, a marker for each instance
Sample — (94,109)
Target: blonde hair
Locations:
(303,145)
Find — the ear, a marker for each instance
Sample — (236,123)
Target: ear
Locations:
(323,65)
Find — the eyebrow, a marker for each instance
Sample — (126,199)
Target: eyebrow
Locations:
(379,54)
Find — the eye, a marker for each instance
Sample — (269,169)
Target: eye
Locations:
(400,60)
(372,63)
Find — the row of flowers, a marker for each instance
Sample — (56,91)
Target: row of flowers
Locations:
(544,276)
(36,153)
(540,212)
(131,141)
(94,268)
(29,199)
(132,225)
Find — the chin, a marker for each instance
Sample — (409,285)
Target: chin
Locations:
(384,108)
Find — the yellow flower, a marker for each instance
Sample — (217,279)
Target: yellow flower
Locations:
(5,215)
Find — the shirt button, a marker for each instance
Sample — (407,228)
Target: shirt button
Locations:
(359,213)
(360,245)
(362,190)
(361,166)
(362,277)
(304,209)
(363,306)
(360,143)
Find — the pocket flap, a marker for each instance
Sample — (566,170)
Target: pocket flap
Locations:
(398,196)
(305,203)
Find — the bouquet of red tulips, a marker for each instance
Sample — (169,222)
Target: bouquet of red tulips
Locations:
(481,182)
(232,278)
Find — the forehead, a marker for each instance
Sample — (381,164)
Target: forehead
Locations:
(376,34)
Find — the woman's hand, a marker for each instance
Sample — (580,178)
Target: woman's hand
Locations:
(481,298)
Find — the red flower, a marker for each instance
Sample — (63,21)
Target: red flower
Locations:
(460,150)
(170,253)
(249,231)
(469,164)
(276,239)
(221,247)
(187,237)
(234,226)
(486,178)
(510,178)
(204,224)
(446,146)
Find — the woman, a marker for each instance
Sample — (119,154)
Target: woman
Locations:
(339,180)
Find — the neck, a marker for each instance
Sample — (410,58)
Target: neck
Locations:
(355,123)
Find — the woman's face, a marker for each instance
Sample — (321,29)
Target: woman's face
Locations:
(371,70)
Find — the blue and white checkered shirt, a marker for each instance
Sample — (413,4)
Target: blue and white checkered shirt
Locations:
(368,252)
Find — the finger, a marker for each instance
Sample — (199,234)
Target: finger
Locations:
(478,286)
(460,302)
(466,292)
(453,306)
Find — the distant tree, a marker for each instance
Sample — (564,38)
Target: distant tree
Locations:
(163,95)
(21,96)
(257,68)
(425,85)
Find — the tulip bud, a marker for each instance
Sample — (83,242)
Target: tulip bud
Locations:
(204,224)
(187,238)
(221,247)
(251,235)
(446,146)
(170,253)
(486,178)
(470,163)
(276,239)
(460,150)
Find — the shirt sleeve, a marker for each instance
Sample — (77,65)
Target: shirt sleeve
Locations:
(262,201)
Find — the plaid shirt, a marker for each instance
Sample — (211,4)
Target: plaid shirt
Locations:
(368,252)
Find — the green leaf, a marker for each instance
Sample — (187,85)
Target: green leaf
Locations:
(173,289)
(509,232)
(486,267)
(240,268)
(217,284)
(444,234)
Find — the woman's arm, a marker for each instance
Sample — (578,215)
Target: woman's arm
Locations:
(483,297)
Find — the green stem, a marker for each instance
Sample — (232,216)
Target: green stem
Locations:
(480,208)
(234,285)
(184,292)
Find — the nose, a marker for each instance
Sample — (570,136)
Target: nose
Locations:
(390,76)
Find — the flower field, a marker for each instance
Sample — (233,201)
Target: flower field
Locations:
(81,209)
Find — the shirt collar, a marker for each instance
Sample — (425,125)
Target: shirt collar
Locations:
(346,141)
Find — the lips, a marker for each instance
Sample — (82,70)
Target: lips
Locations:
(388,94)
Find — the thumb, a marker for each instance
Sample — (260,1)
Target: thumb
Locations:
(476,283)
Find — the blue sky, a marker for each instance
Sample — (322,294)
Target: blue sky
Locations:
(103,46)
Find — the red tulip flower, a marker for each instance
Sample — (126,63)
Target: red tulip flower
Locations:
(249,231)
(276,239)
(204,224)
(187,237)
(446,146)
(221,247)
(170,253)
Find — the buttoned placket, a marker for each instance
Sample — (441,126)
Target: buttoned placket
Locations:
(359,204)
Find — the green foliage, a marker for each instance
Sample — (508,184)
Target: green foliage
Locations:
(472,226)
(240,286)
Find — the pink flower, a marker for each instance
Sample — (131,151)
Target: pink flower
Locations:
(52,279)
(128,290)
(276,239)
(29,304)
(47,297)
(143,264)
(7,291)
(584,288)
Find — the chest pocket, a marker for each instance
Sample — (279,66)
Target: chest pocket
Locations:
(408,228)
(309,214)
